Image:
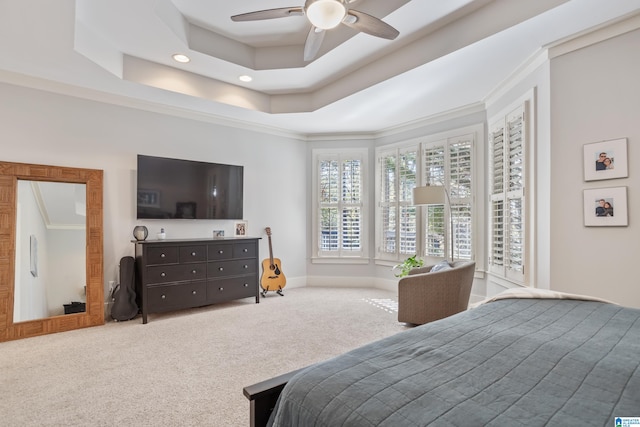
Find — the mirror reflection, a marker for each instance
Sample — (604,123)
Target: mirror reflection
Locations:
(50,262)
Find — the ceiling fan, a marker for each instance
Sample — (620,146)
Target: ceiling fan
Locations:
(325,15)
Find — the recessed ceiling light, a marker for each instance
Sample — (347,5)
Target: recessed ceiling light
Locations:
(245,78)
(181,58)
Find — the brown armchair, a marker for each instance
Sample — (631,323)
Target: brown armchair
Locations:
(424,297)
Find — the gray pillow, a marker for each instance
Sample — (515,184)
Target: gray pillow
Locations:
(441,266)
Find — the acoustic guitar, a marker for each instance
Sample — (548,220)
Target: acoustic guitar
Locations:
(272,276)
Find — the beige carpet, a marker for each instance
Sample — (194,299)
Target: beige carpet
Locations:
(184,368)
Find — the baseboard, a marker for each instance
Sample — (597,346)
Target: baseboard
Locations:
(342,282)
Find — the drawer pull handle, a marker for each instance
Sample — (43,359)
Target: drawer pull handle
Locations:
(163,296)
(220,251)
(193,292)
(246,285)
(162,274)
(193,271)
(222,289)
(245,266)
(193,254)
(162,255)
(245,250)
(220,269)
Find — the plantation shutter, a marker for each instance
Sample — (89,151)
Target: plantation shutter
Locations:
(388,182)
(351,205)
(340,205)
(436,241)
(397,214)
(461,195)
(407,236)
(449,163)
(497,197)
(507,238)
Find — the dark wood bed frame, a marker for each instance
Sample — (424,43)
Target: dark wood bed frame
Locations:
(263,397)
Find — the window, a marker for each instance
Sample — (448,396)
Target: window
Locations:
(507,144)
(448,163)
(339,192)
(403,229)
(396,226)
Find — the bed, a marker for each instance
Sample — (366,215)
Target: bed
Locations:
(513,361)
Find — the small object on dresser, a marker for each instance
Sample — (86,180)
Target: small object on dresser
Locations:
(161,234)
(218,234)
(140,232)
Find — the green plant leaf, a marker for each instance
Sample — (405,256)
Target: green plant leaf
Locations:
(402,269)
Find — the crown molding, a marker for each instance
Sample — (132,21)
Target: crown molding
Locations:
(434,119)
(608,30)
(65,89)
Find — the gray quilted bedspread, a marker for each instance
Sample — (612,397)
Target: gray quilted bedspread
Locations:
(514,362)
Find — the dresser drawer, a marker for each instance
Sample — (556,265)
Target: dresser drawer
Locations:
(162,255)
(234,267)
(245,250)
(193,253)
(175,273)
(220,251)
(229,289)
(176,296)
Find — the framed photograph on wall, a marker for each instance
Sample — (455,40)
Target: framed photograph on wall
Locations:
(605,207)
(240,228)
(605,160)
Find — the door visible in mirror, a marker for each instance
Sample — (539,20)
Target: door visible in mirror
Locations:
(51,241)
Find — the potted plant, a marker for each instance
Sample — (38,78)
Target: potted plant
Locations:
(402,269)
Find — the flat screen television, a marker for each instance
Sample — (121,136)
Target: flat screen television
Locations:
(186,189)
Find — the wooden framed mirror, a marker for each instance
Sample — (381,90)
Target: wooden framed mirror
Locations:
(19,242)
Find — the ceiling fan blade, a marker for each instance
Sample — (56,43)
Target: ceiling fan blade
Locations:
(370,25)
(281,12)
(313,43)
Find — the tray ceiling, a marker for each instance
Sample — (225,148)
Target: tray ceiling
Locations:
(449,54)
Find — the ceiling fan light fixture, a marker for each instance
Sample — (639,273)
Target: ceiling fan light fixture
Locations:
(326,14)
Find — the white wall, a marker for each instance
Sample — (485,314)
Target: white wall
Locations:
(582,96)
(595,96)
(45,128)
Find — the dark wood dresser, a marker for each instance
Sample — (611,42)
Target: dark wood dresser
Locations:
(178,274)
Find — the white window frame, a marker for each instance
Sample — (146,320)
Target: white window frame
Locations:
(340,255)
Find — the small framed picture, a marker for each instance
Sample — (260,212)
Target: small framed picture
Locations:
(605,207)
(240,228)
(605,160)
(218,234)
